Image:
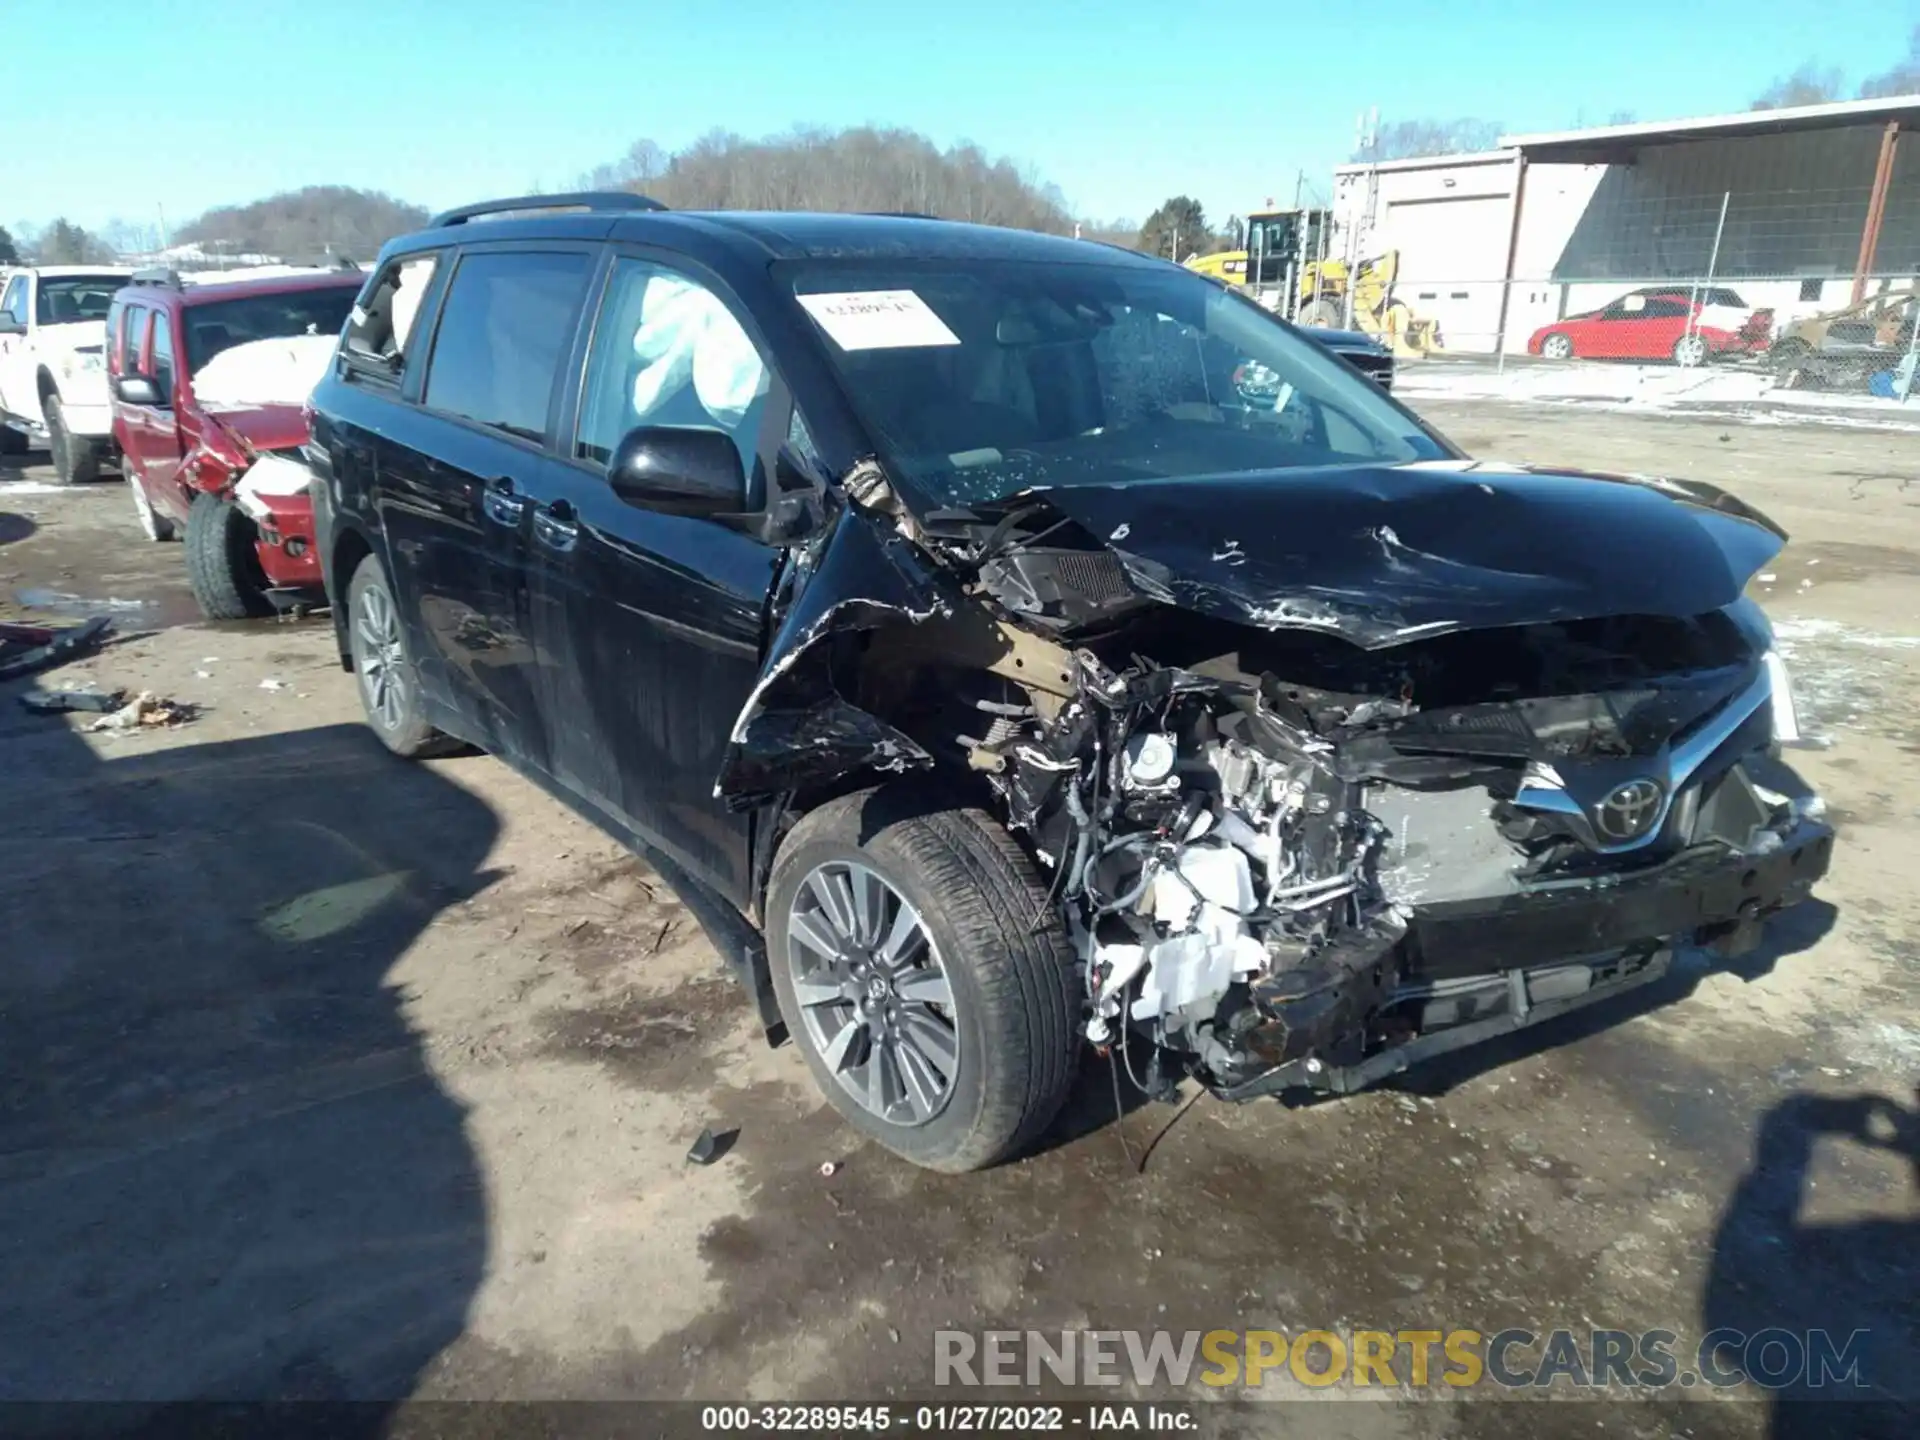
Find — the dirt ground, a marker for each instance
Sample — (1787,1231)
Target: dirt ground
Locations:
(325,1075)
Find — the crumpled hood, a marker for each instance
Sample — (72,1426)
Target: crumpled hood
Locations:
(1393,553)
(266,427)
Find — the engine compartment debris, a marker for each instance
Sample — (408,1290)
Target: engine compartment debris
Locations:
(1313,813)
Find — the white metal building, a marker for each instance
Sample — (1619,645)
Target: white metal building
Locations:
(1795,207)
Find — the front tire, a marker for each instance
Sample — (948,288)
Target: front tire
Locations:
(922,969)
(76,460)
(389,685)
(1557,346)
(12,442)
(1690,351)
(223,569)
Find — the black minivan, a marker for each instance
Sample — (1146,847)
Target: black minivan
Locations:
(1011,645)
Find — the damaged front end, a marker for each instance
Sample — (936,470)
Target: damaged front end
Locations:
(1370,797)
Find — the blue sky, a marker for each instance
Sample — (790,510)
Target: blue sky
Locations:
(1120,103)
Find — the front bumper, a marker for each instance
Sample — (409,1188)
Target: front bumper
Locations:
(1472,969)
(1697,890)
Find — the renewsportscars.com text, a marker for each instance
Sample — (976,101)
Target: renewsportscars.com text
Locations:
(1515,1358)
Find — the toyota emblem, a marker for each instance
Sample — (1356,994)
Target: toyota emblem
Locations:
(1629,810)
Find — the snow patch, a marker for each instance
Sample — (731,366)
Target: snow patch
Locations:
(265,372)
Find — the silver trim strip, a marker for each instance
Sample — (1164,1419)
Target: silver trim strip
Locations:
(1539,792)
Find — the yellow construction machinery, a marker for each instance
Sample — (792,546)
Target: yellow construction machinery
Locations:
(1285,267)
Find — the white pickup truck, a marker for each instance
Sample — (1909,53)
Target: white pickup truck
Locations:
(53,376)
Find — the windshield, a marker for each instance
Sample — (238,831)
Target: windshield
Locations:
(218,326)
(984,378)
(66,299)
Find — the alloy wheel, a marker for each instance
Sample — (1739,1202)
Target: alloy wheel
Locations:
(1557,347)
(378,658)
(1690,350)
(873,994)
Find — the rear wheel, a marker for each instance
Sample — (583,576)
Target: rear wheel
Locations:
(223,568)
(1557,346)
(76,459)
(153,524)
(923,970)
(12,441)
(389,689)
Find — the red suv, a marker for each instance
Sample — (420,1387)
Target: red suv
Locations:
(208,384)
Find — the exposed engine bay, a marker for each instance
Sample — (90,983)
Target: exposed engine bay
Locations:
(1288,860)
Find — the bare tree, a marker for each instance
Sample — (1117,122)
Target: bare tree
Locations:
(307,223)
(1811,84)
(1903,78)
(1405,139)
(862,169)
(64,243)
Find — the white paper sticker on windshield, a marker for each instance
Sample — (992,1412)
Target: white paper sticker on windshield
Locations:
(878,320)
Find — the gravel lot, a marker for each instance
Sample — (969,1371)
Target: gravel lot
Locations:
(323,1075)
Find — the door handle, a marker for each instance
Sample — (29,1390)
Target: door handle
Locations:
(556,526)
(501,504)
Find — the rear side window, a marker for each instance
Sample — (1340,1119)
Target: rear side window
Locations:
(503,329)
(380,329)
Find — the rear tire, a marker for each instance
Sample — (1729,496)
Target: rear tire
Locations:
(389,686)
(76,460)
(995,966)
(223,570)
(12,442)
(153,524)
(1322,314)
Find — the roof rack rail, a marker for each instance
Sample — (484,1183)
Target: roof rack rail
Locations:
(575,200)
(899,215)
(164,275)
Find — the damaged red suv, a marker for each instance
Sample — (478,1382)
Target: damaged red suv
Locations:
(208,383)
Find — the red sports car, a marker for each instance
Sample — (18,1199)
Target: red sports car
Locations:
(1679,324)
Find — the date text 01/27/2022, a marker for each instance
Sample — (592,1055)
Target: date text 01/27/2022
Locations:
(958,1419)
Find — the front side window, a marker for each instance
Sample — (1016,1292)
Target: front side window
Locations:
(984,378)
(16,301)
(668,351)
(503,330)
(133,338)
(71,299)
(161,365)
(220,326)
(380,332)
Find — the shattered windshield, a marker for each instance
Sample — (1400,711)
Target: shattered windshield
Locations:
(984,378)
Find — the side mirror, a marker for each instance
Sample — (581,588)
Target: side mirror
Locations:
(137,390)
(11,326)
(679,470)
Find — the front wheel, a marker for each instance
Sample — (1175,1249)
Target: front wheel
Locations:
(1557,346)
(1689,351)
(76,459)
(223,567)
(922,969)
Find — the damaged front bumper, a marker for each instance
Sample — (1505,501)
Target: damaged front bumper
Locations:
(1605,940)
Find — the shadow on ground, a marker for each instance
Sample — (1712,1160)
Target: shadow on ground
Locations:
(15,527)
(225,1170)
(1788,1288)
